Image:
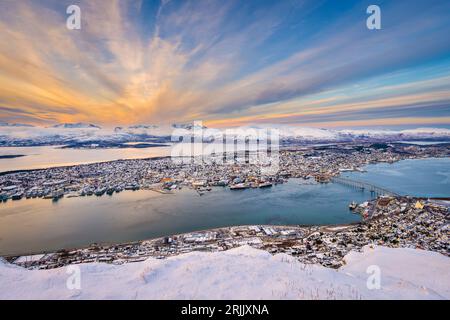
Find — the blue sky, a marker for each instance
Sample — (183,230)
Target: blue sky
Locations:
(227,63)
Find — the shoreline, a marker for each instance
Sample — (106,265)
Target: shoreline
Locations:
(284,148)
(356,169)
(3,173)
(352,159)
(125,243)
(397,222)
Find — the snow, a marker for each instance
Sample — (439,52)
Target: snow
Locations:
(35,257)
(78,125)
(81,132)
(409,133)
(308,133)
(241,273)
(427,273)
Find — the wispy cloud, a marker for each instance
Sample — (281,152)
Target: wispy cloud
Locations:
(224,62)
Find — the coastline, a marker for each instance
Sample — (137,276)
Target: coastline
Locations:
(2,173)
(299,227)
(397,223)
(161,238)
(284,148)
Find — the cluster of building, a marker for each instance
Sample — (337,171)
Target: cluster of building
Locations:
(164,174)
(394,222)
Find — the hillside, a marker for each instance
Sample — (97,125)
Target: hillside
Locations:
(242,273)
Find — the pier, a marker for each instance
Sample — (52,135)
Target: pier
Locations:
(374,190)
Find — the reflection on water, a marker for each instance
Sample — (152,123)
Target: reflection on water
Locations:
(34,225)
(51,156)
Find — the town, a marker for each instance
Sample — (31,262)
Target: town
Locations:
(395,222)
(389,220)
(166,175)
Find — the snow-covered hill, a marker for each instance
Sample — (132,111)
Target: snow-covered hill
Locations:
(241,273)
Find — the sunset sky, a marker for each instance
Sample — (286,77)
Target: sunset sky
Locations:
(227,63)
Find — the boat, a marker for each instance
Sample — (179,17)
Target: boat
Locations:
(265,185)
(3,197)
(220,183)
(238,186)
(133,187)
(17,196)
(353,205)
(73,195)
(100,191)
(56,195)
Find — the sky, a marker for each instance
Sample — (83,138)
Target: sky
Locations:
(227,63)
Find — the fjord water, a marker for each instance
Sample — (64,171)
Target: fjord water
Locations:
(36,225)
(54,156)
(419,177)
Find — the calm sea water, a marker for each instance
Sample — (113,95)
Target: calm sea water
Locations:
(36,225)
(51,156)
(418,177)
(54,156)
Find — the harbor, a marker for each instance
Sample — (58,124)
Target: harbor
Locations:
(130,200)
(165,173)
(396,222)
(36,225)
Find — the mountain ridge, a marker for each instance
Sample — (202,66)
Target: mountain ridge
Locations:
(24,135)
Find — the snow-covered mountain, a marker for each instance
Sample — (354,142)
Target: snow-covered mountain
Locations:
(188,126)
(78,125)
(6,124)
(78,133)
(70,133)
(144,130)
(313,134)
(241,273)
(410,134)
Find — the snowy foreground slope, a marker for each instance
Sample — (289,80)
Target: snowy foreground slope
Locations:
(242,273)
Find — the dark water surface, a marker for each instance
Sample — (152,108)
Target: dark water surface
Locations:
(36,225)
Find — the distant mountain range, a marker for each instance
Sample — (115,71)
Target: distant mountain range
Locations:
(6,124)
(16,134)
(312,134)
(78,125)
(188,126)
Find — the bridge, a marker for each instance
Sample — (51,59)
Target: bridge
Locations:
(373,189)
